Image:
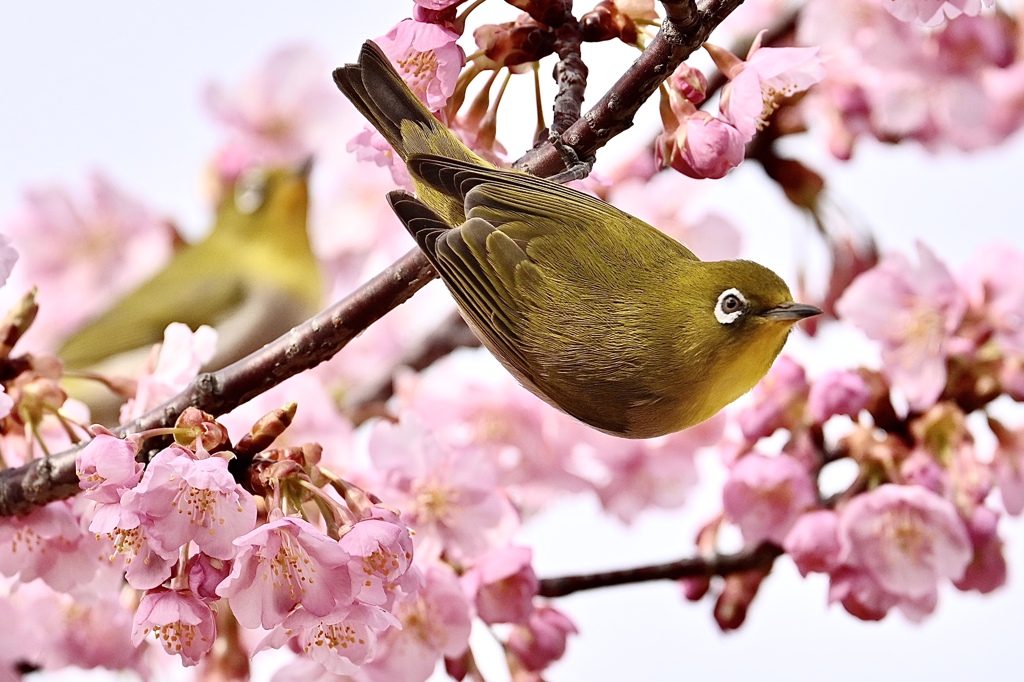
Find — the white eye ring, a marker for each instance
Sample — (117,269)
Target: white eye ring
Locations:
(731,304)
(250,191)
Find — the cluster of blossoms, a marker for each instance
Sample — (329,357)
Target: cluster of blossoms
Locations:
(371,550)
(957,84)
(919,509)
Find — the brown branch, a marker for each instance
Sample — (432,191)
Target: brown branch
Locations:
(679,37)
(53,478)
(760,557)
(571,75)
(46,480)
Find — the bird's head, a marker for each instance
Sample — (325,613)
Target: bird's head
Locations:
(744,314)
(266,203)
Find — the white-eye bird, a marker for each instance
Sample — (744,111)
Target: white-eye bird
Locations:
(252,278)
(592,309)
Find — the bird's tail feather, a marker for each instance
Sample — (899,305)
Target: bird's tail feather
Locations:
(380,95)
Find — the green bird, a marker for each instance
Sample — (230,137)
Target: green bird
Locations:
(252,278)
(592,309)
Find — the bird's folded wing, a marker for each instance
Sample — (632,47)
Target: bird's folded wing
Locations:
(479,265)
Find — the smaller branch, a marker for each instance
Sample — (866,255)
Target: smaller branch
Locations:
(760,557)
(571,75)
(450,335)
(613,113)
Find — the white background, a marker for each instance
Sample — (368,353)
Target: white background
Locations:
(115,86)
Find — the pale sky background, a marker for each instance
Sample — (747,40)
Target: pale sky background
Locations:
(116,86)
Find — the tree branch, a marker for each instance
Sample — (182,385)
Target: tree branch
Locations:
(760,557)
(53,478)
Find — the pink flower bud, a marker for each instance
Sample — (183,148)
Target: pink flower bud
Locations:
(542,640)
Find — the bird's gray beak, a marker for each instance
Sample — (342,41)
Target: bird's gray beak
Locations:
(791,312)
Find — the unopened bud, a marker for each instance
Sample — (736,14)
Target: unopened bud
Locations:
(695,588)
(16,323)
(739,592)
(689,83)
(513,43)
(265,431)
(195,426)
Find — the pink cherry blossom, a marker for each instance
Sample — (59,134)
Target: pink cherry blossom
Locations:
(1008,467)
(905,537)
(106,467)
(93,633)
(279,115)
(700,146)
(381,564)
(765,496)
(542,640)
(920,468)
(438,4)
(837,392)
(82,251)
(502,584)
(813,542)
(955,85)
(52,630)
(147,561)
(987,570)
(340,642)
(630,476)
(434,625)
(370,145)
(518,434)
(184,499)
(182,624)
(48,543)
(934,12)
(759,85)
(994,280)
(204,575)
(427,57)
(862,596)
(176,364)
(778,400)
(449,497)
(281,565)
(913,311)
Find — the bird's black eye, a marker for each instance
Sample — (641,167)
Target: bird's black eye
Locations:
(250,191)
(730,306)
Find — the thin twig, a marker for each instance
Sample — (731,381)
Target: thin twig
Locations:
(760,557)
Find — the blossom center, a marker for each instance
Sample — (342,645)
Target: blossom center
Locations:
(292,568)
(334,636)
(418,69)
(176,636)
